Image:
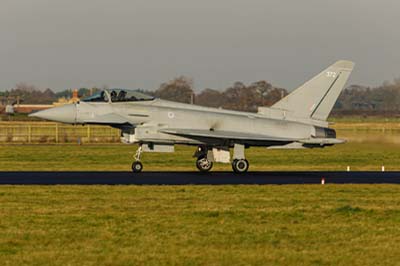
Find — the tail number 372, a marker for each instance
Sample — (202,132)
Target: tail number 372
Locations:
(331,74)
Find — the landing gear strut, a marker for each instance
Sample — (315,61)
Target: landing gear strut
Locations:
(137,166)
(203,163)
(239,164)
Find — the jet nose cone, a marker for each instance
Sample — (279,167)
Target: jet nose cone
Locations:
(64,114)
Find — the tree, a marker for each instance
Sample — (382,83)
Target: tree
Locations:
(179,89)
(210,98)
(30,94)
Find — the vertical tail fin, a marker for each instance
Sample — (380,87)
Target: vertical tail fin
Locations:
(316,98)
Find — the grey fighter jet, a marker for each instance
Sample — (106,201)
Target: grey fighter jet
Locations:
(297,121)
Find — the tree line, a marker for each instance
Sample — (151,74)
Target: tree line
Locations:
(356,99)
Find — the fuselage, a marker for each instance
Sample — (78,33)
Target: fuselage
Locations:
(148,117)
(144,119)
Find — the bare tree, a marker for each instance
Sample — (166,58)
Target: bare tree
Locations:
(179,89)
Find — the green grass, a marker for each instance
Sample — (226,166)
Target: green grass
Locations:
(200,225)
(370,145)
(106,157)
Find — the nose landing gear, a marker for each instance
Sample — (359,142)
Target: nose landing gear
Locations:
(137,166)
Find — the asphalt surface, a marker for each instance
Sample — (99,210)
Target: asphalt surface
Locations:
(195,178)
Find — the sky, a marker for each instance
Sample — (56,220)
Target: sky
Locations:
(134,44)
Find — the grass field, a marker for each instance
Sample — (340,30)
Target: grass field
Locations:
(105,157)
(369,147)
(201,225)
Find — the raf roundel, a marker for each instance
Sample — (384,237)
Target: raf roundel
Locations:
(171,115)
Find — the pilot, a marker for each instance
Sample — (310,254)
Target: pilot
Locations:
(113,95)
(103,96)
(121,96)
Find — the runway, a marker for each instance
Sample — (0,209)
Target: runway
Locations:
(195,178)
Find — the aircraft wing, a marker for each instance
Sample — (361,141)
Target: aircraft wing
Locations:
(228,135)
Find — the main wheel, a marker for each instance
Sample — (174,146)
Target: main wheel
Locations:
(240,166)
(203,164)
(137,167)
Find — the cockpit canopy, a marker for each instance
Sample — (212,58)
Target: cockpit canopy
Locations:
(100,96)
(118,95)
(122,95)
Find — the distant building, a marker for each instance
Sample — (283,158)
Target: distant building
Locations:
(9,109)
(63,100)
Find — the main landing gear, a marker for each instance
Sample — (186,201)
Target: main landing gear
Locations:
(203,163)
(205,159)
(240,166)
(137,166)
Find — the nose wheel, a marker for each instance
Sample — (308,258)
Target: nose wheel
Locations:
(137,166)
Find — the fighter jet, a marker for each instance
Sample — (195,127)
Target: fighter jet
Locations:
(297,121)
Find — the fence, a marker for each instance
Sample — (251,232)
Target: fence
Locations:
(46,132)
(49,132)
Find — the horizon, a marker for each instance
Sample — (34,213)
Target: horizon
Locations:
(141,44)
(196,90)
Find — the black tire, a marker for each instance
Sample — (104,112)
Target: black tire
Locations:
(137,167)
(240,166)
(203,164)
